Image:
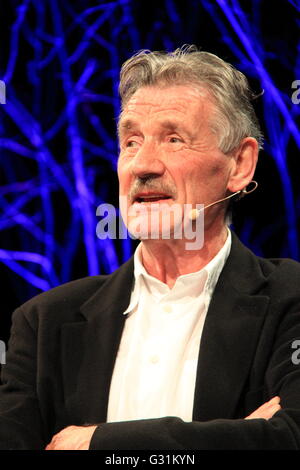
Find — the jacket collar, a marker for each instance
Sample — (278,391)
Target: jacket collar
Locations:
(113,296)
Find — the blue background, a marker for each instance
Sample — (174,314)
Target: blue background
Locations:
(60,61)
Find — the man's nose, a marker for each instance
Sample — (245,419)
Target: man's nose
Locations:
(147,162)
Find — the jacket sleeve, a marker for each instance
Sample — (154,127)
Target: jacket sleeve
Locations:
(281,432)
(20,419)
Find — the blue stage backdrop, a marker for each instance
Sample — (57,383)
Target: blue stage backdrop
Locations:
(59,68)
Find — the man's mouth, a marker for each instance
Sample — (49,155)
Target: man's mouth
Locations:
(145,198)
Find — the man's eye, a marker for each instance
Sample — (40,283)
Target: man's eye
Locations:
(131,143)
(175,140)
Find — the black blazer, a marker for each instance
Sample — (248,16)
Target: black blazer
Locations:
(64,342)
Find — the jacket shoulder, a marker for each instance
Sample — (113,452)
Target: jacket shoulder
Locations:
(69,291)
(63,300)
(250,273)
(283,275)
(281,267)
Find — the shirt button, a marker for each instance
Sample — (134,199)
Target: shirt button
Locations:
(167,308)
(154,359)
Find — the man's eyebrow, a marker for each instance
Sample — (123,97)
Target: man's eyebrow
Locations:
(170,125)
(125,125)
(128,124)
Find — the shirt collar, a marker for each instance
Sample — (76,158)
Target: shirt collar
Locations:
(192,284)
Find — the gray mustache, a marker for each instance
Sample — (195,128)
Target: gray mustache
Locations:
(152,185)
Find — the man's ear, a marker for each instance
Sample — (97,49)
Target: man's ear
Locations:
(245,163)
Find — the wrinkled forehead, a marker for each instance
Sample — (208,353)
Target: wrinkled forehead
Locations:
(177,101)
(202,86)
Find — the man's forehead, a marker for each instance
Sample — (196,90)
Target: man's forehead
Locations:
(164,97)
(170,104)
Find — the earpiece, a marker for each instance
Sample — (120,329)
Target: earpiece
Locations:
(194,213)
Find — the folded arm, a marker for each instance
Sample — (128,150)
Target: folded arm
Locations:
(79,437)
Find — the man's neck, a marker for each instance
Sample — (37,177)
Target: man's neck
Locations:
(166,260)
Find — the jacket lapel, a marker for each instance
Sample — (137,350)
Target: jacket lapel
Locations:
(89,348)
(230,336)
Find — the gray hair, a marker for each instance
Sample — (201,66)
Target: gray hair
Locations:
(234,117)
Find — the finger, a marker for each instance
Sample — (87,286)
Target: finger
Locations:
(275,407)
(265,413)
(267,410)
(272,411)
(270,403)
(54,442)
(275,399)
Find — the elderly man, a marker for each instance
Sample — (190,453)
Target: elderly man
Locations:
(179,348)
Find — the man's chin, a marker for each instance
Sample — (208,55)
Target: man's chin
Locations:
(142,231)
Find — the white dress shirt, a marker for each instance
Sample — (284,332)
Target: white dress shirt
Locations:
(155,368)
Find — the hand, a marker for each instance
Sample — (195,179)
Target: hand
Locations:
(72,438)
(267,410)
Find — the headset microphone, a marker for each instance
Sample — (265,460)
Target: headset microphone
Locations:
(194,213)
